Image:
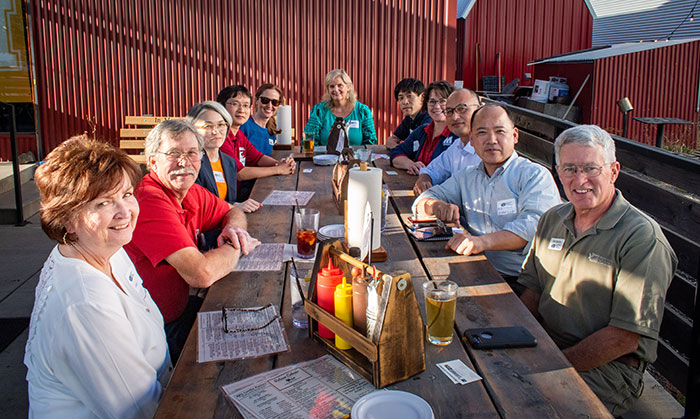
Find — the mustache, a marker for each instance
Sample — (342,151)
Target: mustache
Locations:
(183,171)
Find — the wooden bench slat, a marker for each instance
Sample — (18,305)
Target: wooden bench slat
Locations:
(132,144)
(138,158)
(148,120)
(134,132)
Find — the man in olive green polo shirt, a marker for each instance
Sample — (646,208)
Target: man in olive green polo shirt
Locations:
(598,271)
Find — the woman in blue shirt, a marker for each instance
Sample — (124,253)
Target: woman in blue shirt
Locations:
(340,101)
(261,128)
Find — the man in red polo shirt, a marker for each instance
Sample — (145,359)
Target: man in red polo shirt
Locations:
(174,211)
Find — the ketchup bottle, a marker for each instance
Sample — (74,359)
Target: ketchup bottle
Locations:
(326,282)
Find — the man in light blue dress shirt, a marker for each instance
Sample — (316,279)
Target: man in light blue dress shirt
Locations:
(501,199)
(461,104)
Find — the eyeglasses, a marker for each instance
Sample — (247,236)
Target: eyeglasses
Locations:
(236,104)
(433,103)
(588,170)
(266,100)
(461,109)
(176,155)
(219,127)
(224,318)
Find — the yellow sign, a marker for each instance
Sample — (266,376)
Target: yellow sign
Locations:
(14,67)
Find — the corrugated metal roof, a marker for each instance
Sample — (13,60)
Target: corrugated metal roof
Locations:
(644,20)
(611,51)
(464,7)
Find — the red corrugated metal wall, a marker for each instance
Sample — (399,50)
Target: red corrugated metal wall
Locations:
(98,61)
(662,82)
(521,31)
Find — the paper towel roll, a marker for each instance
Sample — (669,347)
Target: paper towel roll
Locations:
(284,122)
(364,186)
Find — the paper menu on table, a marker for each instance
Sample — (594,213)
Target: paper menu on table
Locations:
(291,198)
(323,387)
(266,257)
(214,344)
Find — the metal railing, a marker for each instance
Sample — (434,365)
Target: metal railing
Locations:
(10,111)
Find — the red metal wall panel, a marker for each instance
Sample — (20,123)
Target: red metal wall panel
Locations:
(98,60)
(521,31)
(25,142)
(662,82)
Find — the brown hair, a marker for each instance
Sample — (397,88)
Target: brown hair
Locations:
(272,122)
(76,172)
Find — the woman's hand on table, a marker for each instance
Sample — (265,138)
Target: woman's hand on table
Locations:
(465,244)
(286,166)
(249,205)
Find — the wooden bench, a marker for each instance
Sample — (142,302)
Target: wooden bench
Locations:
(132,140)
(666,186)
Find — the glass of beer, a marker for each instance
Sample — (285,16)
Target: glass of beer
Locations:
(440,304)
(306,220)
(308,143)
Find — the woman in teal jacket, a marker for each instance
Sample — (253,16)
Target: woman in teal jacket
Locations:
(340,101)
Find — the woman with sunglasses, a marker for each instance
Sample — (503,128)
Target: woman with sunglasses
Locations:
(427,142)
(340,100)
(251,163)
(261,128)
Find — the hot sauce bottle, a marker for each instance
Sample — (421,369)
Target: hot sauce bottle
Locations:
(328,279)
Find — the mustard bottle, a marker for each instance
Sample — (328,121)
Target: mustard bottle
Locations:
(343,310)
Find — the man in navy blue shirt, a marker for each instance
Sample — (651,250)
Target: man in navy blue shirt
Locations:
(409,94)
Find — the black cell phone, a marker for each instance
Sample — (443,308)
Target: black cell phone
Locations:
(500,337)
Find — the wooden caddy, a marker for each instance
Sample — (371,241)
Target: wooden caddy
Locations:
(400,351)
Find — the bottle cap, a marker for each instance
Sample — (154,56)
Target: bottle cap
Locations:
(343,289)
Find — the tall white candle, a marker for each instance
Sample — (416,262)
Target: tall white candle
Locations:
(284,122)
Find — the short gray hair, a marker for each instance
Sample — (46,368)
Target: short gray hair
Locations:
(197,110)
(174,128)
(587,135)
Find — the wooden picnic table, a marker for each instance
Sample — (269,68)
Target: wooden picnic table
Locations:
(531,382)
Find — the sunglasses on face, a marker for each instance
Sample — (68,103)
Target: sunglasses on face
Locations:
(265,100)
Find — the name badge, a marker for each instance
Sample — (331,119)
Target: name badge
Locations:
(271,141)
(416,146)
(506,206)
(241,155)
(447,142)
(556,244)
(354,124)
(219,177)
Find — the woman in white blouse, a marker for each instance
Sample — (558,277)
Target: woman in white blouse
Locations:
(96,344)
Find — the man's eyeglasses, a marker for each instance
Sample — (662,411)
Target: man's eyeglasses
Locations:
(224,319)
(588,170)
(176,155)
(265,100)
(219,127)
(461,109)
(433,103)
(235,104)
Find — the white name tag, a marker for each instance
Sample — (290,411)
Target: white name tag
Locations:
(556,244)
(447,141)
(353,124)
(416,146)
(219,177)
(506,206)
(241,155)
(272,142)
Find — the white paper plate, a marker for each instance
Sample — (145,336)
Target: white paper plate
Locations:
(325,159)
(391,404)
(333,231)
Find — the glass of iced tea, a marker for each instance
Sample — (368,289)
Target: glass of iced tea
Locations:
(307,220)
(308,143)
(440,304)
